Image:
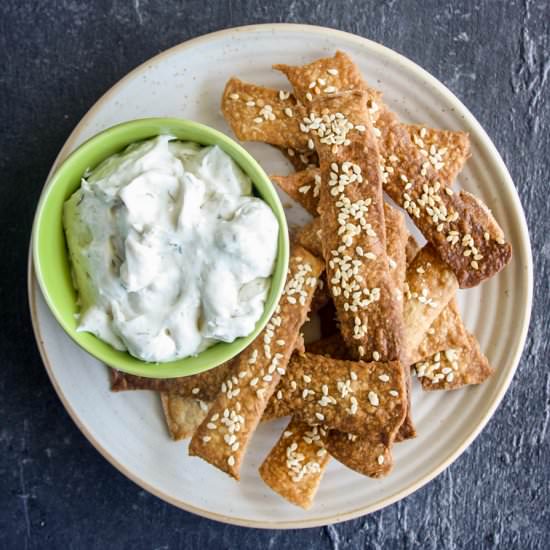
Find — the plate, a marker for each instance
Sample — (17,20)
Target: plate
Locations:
(128,428)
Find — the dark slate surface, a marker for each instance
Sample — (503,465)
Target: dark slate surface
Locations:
(56,58)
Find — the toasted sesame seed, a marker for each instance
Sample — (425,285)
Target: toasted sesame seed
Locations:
(373,399)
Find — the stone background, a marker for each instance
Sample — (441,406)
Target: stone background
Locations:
(56,59)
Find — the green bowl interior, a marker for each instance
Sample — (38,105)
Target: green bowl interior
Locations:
(51,258)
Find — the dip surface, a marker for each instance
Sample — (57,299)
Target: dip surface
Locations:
(170,251)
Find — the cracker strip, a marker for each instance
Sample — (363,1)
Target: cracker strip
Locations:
(256,113)
(304,187)
(430,285)
(183,415)
(295,466)
(310,237)
(396,242)
(447,331)
(223,436)
(345,395)
(454,368)
(445,150)
(354,238)
(460,228)
(205,385)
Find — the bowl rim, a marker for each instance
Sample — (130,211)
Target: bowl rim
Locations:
(248,164)
(320,519)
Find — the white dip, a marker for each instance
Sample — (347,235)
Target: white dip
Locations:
(170,251)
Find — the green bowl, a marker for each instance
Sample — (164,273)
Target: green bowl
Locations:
(50,256)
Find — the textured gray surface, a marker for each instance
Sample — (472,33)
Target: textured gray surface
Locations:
(56,59)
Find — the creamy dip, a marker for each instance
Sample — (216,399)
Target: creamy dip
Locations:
(170,251)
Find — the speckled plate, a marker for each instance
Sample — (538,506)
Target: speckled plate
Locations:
(128,428)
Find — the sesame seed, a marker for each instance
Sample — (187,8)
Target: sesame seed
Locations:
(319,416)
(194,391)
(393,393)
(384,378)
(380,459)
(373,399)
(231,460)
(234,96)
(283,95)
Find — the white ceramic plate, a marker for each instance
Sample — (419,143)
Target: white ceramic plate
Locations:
(128,428)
